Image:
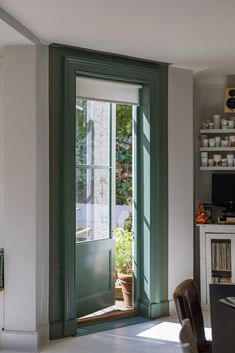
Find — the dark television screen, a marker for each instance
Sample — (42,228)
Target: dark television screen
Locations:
(223,190)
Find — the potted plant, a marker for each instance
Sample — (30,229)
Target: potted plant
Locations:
(123,263)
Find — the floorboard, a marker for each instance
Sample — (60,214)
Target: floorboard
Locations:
(131,335)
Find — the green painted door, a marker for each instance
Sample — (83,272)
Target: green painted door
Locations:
(94,190)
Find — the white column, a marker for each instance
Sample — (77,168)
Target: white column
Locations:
(180,137)
(25,130)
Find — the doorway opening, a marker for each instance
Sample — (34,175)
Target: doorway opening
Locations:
(67,66)
(104,215)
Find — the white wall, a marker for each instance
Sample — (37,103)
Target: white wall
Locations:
(180,137)
(1,180)
(209,100)
(25,176)
(20,187)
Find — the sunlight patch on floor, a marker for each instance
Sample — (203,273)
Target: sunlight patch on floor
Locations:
(167,331)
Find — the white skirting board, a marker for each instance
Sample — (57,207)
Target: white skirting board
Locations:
(21,341)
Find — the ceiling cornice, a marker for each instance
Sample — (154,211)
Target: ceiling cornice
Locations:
(14,23)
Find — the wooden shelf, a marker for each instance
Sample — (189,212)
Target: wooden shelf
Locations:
(218,149)
(217,131)
(211,149)
(217,168)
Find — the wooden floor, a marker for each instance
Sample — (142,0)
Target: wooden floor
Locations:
(132,335)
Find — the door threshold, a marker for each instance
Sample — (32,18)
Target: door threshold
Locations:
(114,315)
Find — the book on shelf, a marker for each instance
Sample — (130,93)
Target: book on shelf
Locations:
(221,280)
(221,255)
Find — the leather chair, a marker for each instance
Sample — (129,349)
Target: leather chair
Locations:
(188,306)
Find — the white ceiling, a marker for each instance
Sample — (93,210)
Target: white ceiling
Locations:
(197,34)
(9,36)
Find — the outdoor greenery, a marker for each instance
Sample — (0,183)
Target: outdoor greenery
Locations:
(124,241)
(123,256)
(123,151)
(82,129)
(123,154)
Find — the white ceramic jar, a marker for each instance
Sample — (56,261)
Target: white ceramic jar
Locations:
(216,121)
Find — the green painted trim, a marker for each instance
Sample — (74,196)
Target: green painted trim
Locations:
(151,178)
(158,186)
(56,200)
(136,201)
(153,190)
(110,171)
(69,195)
(154,310)
(63,329)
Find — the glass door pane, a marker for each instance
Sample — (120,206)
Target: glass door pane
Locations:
(92,133)
(93,170)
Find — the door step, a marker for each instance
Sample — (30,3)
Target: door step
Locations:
(112,315)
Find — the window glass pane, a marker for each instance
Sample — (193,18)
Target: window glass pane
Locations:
(92,203)
(92,132)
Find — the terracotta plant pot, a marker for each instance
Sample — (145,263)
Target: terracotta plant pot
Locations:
(126,284)
(118,292)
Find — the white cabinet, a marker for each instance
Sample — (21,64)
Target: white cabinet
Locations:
(216,150)
(217,257)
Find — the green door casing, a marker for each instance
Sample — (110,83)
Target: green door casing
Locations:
(151,180)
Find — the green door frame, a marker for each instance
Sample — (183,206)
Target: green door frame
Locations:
(151,180)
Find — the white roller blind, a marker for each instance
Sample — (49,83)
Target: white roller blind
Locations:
(105,90)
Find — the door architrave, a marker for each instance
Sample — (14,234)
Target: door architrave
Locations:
(151,173)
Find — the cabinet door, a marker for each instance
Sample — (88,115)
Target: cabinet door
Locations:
(219,259)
